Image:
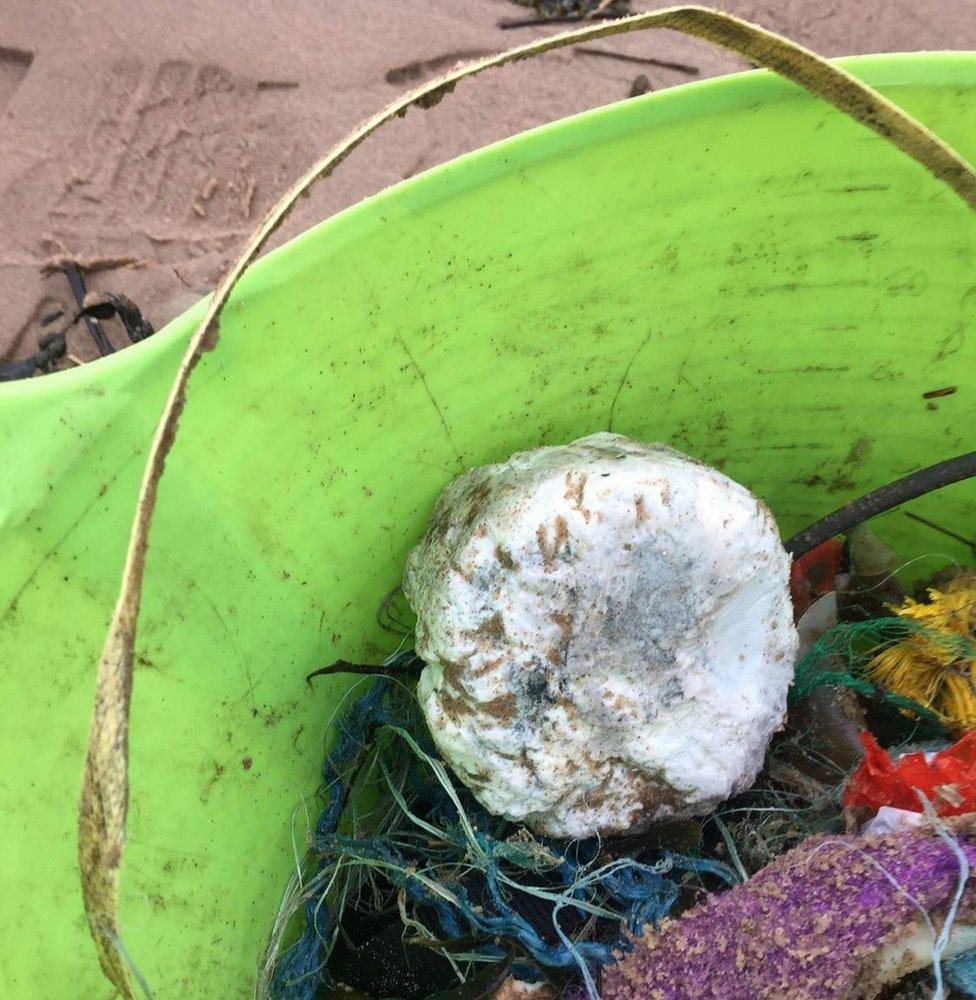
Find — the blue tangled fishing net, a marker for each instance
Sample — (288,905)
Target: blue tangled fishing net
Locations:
(395,833)
(960,974)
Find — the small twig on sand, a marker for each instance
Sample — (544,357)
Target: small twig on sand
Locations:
(92,265)
(641,60)
(507,24)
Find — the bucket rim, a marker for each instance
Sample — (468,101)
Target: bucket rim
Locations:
(725,93)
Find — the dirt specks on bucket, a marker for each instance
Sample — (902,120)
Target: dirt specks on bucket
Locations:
(859,451)
(948,390)
(217,771)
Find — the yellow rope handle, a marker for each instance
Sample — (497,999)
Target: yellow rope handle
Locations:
(105,790)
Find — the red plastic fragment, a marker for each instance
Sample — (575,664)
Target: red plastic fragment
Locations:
(813,574)
(948,779)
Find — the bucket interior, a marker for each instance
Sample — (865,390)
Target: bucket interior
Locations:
(730,267)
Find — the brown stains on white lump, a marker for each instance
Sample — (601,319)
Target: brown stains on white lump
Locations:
(607,632)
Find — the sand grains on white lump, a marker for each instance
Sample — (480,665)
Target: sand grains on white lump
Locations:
(607,632)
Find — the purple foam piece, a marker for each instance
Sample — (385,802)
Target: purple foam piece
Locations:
(804,928)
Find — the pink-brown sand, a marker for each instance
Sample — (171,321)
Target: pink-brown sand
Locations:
(146,138)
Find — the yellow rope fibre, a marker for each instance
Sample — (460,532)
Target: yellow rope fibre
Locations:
(927,667)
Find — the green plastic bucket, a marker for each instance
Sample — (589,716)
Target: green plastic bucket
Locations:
(731,267)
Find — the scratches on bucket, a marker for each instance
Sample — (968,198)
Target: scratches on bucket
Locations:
(857,188)
(437,408)
(193,584)
(11,607)
(624,377)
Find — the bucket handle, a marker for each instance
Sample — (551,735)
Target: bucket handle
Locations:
(105,790)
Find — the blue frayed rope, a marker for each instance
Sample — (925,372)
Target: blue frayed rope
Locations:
(499,868)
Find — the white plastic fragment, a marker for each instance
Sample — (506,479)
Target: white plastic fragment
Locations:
(890,820)
(608,634)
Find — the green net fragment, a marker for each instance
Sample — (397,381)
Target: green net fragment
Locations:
(842,655)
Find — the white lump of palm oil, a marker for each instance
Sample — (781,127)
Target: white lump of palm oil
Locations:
(607,632)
